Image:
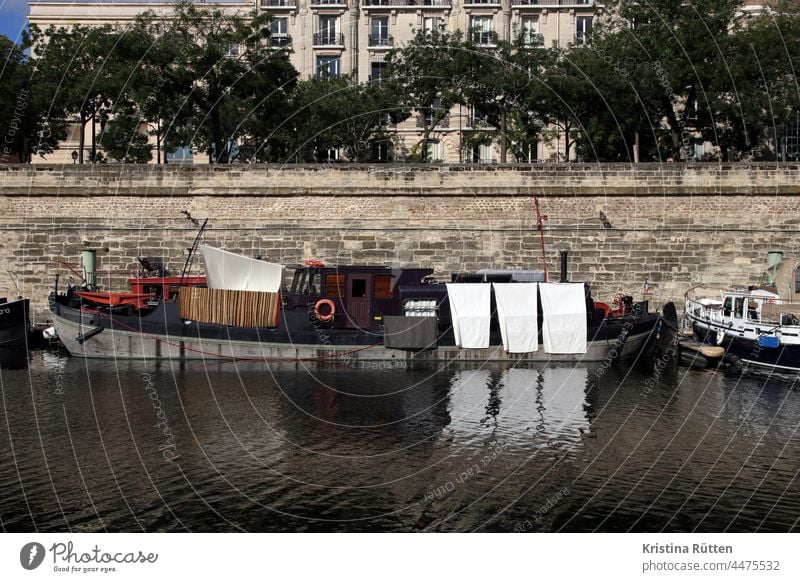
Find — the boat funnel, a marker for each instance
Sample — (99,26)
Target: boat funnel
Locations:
(89,258)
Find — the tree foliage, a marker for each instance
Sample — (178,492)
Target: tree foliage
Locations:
(654,80)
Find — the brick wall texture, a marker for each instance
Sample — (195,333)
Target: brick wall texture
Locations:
(673,225)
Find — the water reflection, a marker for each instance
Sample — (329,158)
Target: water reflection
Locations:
(293,447)
(521,402)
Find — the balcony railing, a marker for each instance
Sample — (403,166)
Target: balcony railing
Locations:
(280,40)
(480,2)
(426,119)
(278,3)
(328,39)
(544,3)
(407,3)
(477,121)
(328,2)
(533,39)
(484,37)
(380,40)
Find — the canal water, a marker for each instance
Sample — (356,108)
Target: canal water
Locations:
(105,446)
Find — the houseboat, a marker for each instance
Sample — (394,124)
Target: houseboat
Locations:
(758,325)
(243,308)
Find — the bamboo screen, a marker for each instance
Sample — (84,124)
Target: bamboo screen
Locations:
(228,307)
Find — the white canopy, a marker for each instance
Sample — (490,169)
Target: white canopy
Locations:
(225,270)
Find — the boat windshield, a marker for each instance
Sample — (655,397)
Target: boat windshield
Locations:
(305,282)
(738,308)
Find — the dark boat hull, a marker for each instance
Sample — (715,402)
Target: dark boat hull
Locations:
(14,324)
(163,335)
(785,358)
(14,333)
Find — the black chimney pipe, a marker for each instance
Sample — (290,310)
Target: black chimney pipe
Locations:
(564,266)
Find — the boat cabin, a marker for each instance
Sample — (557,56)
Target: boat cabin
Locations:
(359,297)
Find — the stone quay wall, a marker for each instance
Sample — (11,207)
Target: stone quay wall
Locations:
(673,225)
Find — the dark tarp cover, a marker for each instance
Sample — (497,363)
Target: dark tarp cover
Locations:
(409,333)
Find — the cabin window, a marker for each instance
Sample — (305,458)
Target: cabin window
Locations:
(752,310)
(297,281)
(334,285)
(312,284)
(738,308)
(726,307)
(359,288)
(383,287)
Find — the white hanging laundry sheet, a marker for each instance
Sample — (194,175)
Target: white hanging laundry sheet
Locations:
(226,270)
(470,309)
(564,315)
(516,314)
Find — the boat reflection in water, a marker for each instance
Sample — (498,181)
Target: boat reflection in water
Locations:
(188,446)
(523,402)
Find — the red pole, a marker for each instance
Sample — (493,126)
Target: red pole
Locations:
(540,225)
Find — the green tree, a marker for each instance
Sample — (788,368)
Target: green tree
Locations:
(82,63)
(223,75)
(338,114)
(429,74)
(124,140)
(504,83)
(30,122)
(679,48)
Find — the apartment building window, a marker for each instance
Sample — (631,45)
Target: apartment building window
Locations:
(327,67)
(583,29)
(434,150)
(475,116)
(481,154)
(328,30)
(379,31)
(181,155)
(431,24)
(482,28)
(429,114)
(526,152)
(375,71)
(529,28)
(279,32)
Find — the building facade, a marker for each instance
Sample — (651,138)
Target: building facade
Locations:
(352,37)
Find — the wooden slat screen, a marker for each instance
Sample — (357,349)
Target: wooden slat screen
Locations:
(227,307)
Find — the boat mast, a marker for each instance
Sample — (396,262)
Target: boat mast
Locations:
(540,226)
(193,249)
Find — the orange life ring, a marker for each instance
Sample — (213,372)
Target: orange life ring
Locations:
(330,305)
